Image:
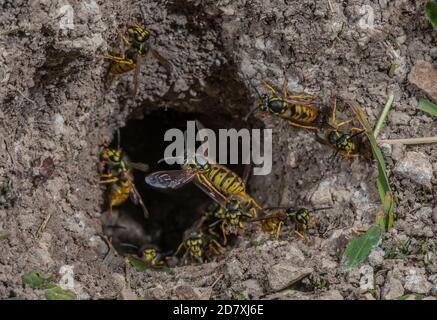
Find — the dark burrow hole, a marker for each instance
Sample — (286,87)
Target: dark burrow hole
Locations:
(171,212)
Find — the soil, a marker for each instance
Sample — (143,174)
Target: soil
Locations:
(56,115)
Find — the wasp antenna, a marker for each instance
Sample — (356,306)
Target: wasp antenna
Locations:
(118,139)
(169,158)
(357,134)
(319,209)
(128,245)
(246,117)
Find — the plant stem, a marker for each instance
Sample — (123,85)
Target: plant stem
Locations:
(383,116)
(410,141)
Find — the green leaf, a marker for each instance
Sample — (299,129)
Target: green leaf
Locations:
(388,211)
(404,297)
(139,265)
(431,12)
(382,182)
(358,249)
(57,293)
(428,107)
(142,266)
(38,280)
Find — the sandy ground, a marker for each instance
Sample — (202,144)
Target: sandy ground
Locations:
(56,114)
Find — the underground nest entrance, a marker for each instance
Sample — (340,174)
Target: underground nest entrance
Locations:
(172,212)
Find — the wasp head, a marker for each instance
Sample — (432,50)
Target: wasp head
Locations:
(264,102)
(113,155)
(197,163)
(138,34)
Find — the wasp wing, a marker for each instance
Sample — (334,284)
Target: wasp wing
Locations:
(277,212)
(136,74)
(302,124)
(173,179)
(143,167)
(212,192)
(163,61)
(136,199)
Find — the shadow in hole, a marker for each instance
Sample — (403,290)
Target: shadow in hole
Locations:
(174,211)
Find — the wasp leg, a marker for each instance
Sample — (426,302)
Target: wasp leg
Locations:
(119,59)
(106,175)
(278,230)
(115,179)
(334,112)
(343,123)
(270,87)
(356,130)
(179,248)
(218,245)
(300,235)
(222,227)
(334,115)
(125,40)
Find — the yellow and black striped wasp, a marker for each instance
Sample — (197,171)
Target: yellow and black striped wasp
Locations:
(277,217)
(115,169)
(345,144)
(299,111)
(136,39)
(232,215)
(216,180)
(199,246)
(153,256)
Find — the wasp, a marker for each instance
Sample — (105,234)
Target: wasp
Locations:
(277,217)
(216,180)
(152,256)
(299,111)
(232,216)
(115,170)
(344,143)
(136,40)
(199,246)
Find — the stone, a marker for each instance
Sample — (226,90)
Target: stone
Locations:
(186,292)
(331,295)
(416,167)
(322,196)
(434,215)
(424,76)
(398,151)
(376,257)
(127,294)
(367,279)
(289,295)
(392,289)
(292,161)
(416,282)
(399,118)
(252,288)
(284,274)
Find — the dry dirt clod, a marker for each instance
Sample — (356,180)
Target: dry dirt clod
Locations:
(416,282)
(415,166)
(424,76)
(392,288)
(284,274)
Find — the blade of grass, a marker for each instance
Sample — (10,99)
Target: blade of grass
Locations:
(410,140)
(383,184)
(427,106)
(383,116)
(431,12)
